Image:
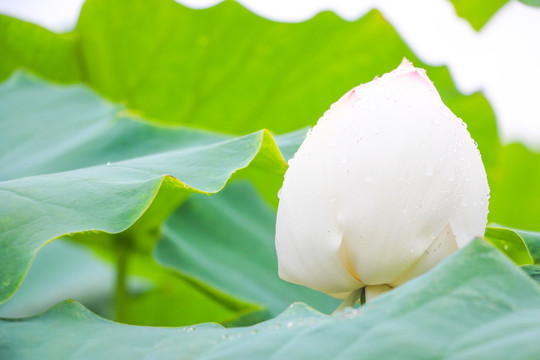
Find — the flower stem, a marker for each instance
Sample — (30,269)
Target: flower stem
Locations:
(121,293)
(359,294)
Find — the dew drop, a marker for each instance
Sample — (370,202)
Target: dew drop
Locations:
(290,324)
(108,163)
(369,178)
(505,246)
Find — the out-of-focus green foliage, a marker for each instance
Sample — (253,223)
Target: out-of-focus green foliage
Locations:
(492,314)
(29,46)
(515,188)
(531,2)
(226,69)
(477,12)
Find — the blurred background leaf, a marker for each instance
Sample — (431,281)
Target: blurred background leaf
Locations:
(199,67)
(477,12)
(531,2)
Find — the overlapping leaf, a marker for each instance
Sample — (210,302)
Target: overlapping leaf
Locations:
(73,163)
(63,270)
(475,305)
(228,241)
(523,247)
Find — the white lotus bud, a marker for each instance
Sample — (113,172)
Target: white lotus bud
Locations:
(385,186)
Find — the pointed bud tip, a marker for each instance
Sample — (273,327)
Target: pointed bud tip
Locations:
(406,67)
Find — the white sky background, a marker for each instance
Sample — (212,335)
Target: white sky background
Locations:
(502,60)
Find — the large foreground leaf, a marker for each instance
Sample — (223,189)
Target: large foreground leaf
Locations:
(476,305)
(73,163)
(228,242)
